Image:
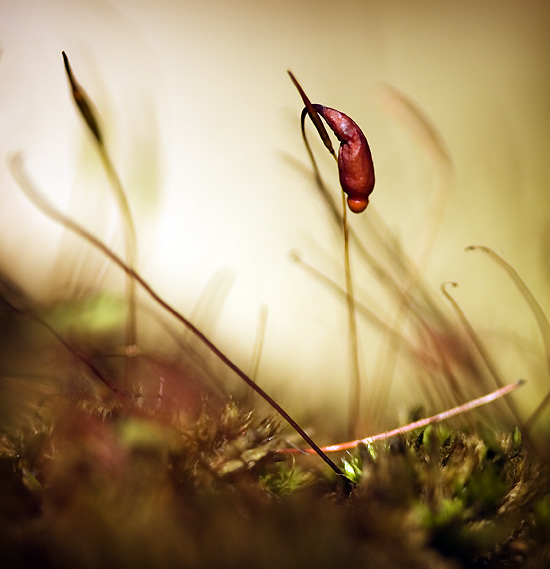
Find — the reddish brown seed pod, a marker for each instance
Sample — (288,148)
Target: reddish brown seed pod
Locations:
(355,165)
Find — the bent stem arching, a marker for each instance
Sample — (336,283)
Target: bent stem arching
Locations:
(478,344)
(538,313)
(443,416)
(53,213)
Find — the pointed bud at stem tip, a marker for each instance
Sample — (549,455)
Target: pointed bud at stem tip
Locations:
(82,102)
(312,112)
(417,424)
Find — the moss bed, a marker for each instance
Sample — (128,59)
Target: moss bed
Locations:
(126,488)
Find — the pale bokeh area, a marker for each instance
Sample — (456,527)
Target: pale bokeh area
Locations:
(202,122)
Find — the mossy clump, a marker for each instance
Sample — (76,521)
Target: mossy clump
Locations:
(131,488)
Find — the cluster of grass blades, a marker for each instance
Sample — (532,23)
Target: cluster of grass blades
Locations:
(152,462)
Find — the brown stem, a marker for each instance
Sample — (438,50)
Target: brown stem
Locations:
(49,210)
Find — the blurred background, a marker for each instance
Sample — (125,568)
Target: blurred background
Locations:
(202,123)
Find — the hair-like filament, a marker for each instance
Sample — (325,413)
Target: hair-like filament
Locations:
(443,416)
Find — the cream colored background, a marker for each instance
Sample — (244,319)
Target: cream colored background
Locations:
(202,120)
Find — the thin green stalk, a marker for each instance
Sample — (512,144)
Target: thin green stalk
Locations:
(485,356)
(130,248)
(355,391)
(87,112)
